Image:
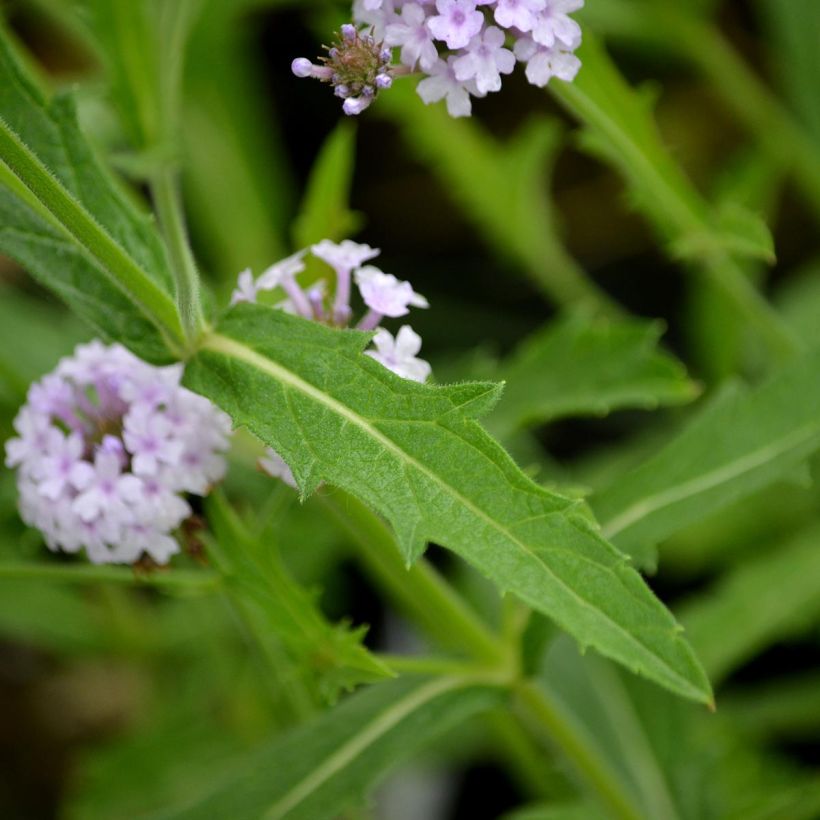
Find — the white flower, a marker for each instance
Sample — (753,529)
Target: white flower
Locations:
(399,354)
(385,294)
(246,288)
(344,256)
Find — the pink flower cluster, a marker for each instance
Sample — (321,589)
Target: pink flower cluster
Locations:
(383,295)
(462,46)
(107,447)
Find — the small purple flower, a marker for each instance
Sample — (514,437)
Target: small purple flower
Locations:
(385,295)
(544,63)
(414,36)
(554,25)
(485,61)
(457,22)
(106,446)
(442,84)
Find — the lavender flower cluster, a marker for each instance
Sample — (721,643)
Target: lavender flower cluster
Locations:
(460,45)
(382,293)
(107,447)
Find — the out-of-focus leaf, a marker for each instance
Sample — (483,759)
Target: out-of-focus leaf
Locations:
(53,333)
(619,128)
(67,222)
(759,602)
(327,766)
(595,702)
(556,811)
(581,366)
(333,655)
(325,211)
(718,337)
(415,454)
(799,301)
(233,150)
(742,232)
(502,188)
(787,708)
(741,441)
(51,617)
(793,31)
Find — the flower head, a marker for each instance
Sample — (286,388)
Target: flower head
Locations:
(106,447)
(460,47)
(357,65)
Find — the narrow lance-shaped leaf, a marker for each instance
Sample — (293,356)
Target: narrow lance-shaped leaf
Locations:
(740,442)
(65,220)
(325,767)
(581,366)
(416,454)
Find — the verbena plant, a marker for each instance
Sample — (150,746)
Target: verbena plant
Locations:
(263,705)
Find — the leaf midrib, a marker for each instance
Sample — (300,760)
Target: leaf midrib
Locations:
(227,346)
(689,489)
(347,752)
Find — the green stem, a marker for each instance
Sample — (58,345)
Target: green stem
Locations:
(541,711)
(168,203)
(420,591)
(71,217)
(179,580)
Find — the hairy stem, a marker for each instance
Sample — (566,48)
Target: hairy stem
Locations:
(71,217)
(168,203)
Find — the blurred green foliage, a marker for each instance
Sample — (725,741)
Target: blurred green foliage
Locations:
(677,179)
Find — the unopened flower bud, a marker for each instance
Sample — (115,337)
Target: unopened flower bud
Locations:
(302,67)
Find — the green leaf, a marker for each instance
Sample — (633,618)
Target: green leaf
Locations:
(759,602)
(744,439)
(794,29)
(325,767)
(325,211)
(580,366)
(65,220)
(415,454)
(737,230)
(333,655)
(233,146)
(55,331)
